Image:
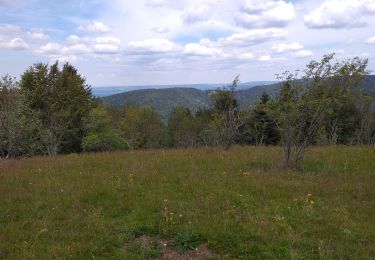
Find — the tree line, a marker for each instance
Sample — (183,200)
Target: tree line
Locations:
(51,110)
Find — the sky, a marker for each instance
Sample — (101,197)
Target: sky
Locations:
(151,42)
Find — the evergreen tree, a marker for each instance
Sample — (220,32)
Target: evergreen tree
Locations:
(62,99)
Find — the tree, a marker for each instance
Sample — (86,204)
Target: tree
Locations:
(259,128)
(206,133)
(19,127)
(142,128)
(62,99)
(100,134)
(182,128)
(303,105)
(226,116)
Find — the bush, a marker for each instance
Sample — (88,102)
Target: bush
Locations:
(103,141)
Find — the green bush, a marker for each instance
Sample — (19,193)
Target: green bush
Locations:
(109,140)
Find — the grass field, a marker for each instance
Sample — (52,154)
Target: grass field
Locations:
(236,204)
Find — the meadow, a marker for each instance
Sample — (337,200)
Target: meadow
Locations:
(167,203)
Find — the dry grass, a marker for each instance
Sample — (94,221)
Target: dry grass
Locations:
(240,203)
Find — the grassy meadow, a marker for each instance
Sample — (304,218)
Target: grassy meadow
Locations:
(142,204)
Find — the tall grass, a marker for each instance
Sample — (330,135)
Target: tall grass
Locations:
(241,202)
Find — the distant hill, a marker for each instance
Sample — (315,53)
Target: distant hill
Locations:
(107,91)
(167,99)
(163,100)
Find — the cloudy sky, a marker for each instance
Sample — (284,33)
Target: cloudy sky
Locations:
(127,42)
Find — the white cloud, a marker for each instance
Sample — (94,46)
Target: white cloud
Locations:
(371,40)
(283,47)
(77,48)
(37,35)
(64,58)
(49,48)
(196,14)
(340,14)
(153,46)
(265,14)
(94,26)
(9,29)
(106,48)
(73,39)
(196,49)
(161,29)
(76,45)
(14,44)
(303,53)
(253,37)
(264,58)
(108,40)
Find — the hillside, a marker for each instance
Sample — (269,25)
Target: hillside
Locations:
(109,90)
(165,100)
(150,204)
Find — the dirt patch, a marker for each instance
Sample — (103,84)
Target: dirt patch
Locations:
(201,252)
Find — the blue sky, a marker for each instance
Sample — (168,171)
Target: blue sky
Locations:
(145,42)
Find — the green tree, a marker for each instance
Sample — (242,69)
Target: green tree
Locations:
(142,128)
(226,115)
(19,127)
(303,105)
(259,128)
(206,133)
(101,136)
(62,99)
(182,128)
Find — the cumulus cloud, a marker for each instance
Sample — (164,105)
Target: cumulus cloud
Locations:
(14,44)
(152,46)
(37,35)
(283,47)
(196,14)
(264,58)
(303,53)
(340,14)
(94,26)
(75,45)
(196,49)
(51,47)
(253,37)
(265,14)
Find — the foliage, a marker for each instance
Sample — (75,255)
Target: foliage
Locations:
(19,127)
(100,135)
(183,128)
(302,107)
(142,128)
(226,114)
(186,240)
(259,128)
(62,99)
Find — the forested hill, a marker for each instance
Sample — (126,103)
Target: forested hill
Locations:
(165,100)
